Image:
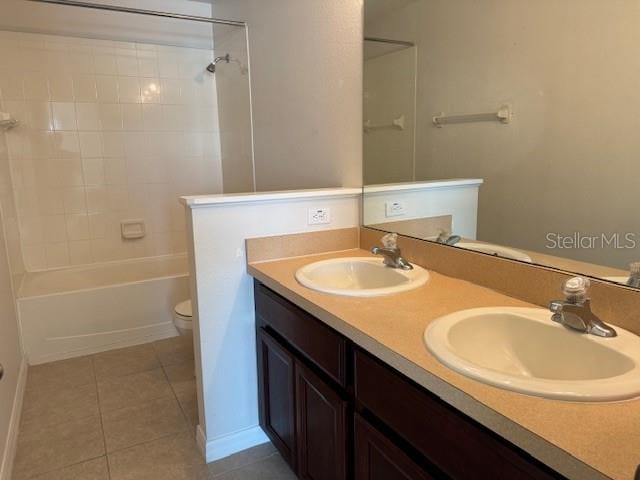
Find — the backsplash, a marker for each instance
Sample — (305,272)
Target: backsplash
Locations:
(108,131)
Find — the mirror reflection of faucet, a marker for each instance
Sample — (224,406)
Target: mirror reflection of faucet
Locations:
(447,238)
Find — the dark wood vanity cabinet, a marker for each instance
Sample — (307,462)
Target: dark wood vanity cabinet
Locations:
(335,412)
(276,391)
(321,430)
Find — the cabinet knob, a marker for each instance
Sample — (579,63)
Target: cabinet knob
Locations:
(1,371)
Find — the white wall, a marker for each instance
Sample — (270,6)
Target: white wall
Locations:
(458,198)
(12,359)
(306,85)
(222,295)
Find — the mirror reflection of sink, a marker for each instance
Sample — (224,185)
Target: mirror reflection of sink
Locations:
(496,250)
(360,277)
(521,349)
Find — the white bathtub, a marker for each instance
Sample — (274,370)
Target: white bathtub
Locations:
(82,310)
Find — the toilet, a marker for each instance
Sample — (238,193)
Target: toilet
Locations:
(182,318)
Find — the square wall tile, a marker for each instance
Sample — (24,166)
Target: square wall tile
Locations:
(88,117)
(57,254)
(35,87)
(54,228)
(75,200)
(110,116)
(93,171)
(11,86)
(105,64)
(129,90)
(97,200)
(77,227)
(64,116)
(90,144)
(38,115)
(113,143)
(64,145)
(107,89)
(84,88)
(80,252)
(60,87)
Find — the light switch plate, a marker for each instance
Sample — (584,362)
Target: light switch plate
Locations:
(395,208)
(318,216)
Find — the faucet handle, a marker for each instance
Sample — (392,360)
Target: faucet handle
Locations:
(576,289)
(390,240)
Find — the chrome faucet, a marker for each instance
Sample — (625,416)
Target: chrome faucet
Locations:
(391,253)
(447,238)
(574,311)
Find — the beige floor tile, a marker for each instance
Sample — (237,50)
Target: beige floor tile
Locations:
(58,446)
(59,375)
(174,350)
(270,468)
(170,458)
(53,406)
(125,361)
(182,377)
(92,470)
(142,423)
(189,404)
(131,390)
(242,459)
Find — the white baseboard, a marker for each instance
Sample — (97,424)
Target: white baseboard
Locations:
(222,447)
(12,441)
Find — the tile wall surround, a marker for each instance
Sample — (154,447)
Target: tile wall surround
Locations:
(108,131)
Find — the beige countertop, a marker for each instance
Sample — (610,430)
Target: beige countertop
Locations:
(579,440)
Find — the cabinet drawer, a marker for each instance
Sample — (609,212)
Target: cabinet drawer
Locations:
(453,442)
(313,339)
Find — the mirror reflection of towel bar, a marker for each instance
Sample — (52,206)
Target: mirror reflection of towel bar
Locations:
(396,124)
(503,115)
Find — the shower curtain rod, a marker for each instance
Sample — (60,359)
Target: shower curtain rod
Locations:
(387,40)
(153,13)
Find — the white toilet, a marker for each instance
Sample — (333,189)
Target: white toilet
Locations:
(182,318)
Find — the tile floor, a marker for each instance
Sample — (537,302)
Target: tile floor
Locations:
(127,414)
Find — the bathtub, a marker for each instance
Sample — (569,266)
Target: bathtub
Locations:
(77,311)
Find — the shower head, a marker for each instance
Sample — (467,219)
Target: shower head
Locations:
(211,68)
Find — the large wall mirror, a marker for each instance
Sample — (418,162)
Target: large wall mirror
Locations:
(508,127)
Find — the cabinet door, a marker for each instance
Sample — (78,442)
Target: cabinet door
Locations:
(377,458)
(321,428)
(276,394)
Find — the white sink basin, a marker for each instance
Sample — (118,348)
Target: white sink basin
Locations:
(497,250)
(360,277)
(521,349)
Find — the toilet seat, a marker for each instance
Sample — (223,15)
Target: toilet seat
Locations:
(184,309)
(182,317)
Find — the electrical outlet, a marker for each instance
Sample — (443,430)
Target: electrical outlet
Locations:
(319,216)
(395,209)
